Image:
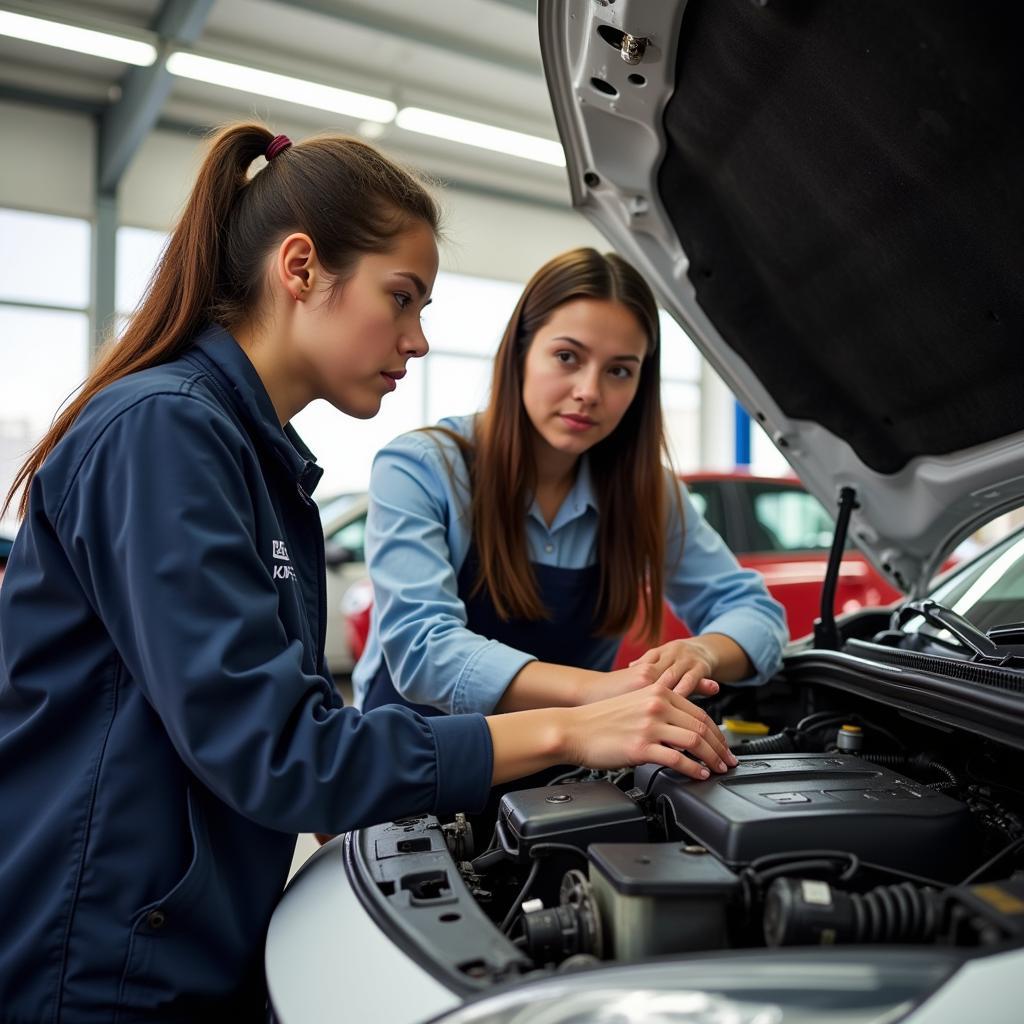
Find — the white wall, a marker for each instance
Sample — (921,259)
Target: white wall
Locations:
(47,160)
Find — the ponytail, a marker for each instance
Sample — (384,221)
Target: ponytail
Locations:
(348,197)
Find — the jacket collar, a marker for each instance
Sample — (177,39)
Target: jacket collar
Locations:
(234,370)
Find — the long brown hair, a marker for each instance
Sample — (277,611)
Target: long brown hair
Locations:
(628,466)
(348,197)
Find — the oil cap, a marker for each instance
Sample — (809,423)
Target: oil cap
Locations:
(850,738)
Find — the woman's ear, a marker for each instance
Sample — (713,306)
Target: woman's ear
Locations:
(296,265)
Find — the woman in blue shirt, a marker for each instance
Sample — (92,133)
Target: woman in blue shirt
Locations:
(167,722)
(510,551)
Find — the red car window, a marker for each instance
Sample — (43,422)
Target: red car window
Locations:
(707,496)
(785,518)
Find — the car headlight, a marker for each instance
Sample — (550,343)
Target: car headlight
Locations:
(760,989)
(613,1006)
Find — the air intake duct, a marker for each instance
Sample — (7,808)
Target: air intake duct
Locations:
(803,912)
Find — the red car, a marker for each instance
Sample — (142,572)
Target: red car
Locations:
(771,524)
(774,526)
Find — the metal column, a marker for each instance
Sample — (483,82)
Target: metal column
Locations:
(122,128)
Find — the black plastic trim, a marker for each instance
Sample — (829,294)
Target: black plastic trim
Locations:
(368,895)
(401,928)
(966,671)
(960,705)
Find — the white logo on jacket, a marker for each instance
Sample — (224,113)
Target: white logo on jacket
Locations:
(282,572)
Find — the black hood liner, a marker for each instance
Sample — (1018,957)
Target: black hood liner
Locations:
(847,179)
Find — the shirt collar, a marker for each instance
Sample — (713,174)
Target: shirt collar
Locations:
(235,369)
(581,497)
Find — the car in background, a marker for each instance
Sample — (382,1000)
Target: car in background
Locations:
(332,507)
(344,521)
(6,543)
(771,524)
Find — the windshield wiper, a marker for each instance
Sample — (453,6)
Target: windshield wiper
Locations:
(989,648)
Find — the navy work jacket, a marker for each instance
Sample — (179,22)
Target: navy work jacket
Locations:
(167,723)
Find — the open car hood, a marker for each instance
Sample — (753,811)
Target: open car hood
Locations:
(829,197)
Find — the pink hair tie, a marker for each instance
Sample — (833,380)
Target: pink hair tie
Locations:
(278,144)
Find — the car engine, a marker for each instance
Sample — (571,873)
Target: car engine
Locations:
(855,825)
(722,837)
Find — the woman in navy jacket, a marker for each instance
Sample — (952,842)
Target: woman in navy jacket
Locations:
(514,548)
(167,723)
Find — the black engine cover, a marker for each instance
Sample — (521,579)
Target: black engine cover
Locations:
(779,803)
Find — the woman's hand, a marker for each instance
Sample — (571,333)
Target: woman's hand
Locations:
(640,673)
(681,665)
(649,725)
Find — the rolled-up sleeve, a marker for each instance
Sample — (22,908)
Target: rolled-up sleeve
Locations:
(431,654)
(193,611)
(709,590)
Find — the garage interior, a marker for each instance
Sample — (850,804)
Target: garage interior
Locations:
(105,110)
(99,155)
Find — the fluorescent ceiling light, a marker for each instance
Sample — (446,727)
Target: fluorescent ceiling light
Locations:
(486,136)
(280,87)
(82,40)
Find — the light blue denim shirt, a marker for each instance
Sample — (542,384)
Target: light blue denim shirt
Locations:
(418,535)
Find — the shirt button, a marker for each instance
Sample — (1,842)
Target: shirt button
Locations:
(549,548)
(156,919)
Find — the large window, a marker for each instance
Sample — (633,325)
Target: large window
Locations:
(138,251)
(44,326)
(44,260)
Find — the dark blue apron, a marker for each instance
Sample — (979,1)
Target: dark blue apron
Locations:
(566,638)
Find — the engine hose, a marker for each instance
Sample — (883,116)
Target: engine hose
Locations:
(952,780)
(803,912)
(779,743)
(895,913)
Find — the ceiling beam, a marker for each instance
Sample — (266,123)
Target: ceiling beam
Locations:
(53,101)
(424,36)
(126,123)
(530,6)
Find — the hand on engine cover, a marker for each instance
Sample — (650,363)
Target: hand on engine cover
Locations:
(649,725)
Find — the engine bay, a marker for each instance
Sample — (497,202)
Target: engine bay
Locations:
(856,824)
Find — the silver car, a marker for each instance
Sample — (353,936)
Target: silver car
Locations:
(827,196)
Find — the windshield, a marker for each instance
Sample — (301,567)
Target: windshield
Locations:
(988,592)
(332,507)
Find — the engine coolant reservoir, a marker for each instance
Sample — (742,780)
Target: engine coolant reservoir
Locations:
(738,730)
